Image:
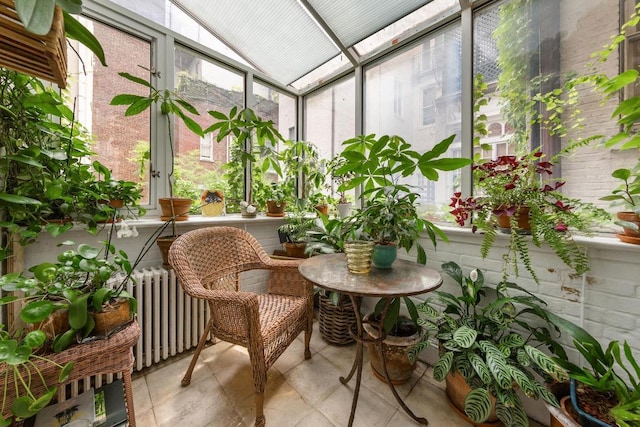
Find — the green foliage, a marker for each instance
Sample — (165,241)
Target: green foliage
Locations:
(477,339)
(77,281)
(43,168)
(254,141)
(507,184)
(18,354)
(627,194)
(378,165)
(606,370)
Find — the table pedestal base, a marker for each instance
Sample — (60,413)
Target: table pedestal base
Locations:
(358,362)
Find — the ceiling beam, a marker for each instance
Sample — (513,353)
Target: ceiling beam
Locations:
(325,27)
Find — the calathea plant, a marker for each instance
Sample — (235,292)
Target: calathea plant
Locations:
(477,340)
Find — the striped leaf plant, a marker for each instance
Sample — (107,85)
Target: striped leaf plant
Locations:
(491,342)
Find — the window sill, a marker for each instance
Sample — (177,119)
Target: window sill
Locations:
(603,241)
(195,220)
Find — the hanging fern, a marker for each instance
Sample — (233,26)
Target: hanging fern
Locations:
(488,241)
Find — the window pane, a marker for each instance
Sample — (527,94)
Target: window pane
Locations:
(525,48)
(330,120)
(423,84)
(200,164)
(121,143)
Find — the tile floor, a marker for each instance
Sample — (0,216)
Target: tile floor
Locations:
(299,393)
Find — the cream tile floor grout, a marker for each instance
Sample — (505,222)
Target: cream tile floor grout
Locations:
(305,393)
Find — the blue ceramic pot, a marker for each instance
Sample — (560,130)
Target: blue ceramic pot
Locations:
(384,255)
(586,420)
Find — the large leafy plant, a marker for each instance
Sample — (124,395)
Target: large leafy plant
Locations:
(77,282)
(380,165)
(479,339)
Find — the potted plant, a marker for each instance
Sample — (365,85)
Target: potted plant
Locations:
(481,352)
(245,125)
(516,195)
(389,216)
(276,195)
(605,391)
(116,194)
(628,196)
(341,181)
(75,286)
(293,233)
(173,209)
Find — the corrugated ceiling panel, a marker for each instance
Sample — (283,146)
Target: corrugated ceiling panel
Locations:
(278,36)
(353,20)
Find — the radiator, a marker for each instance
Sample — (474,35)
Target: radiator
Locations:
(170,321)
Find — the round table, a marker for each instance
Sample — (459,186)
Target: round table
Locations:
(406,278)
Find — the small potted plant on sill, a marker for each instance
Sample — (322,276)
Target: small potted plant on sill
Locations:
(628,196)
(341,181)
(276,196)
(482,359)
(516,196)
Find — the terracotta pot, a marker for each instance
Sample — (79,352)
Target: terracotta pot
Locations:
(164,243)
(630,217)
(274,210)
(112,318)
(394,350)
(522,213)
(295,249)
(457,391)
(323,209)
(180,208)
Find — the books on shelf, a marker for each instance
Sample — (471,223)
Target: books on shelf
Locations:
(102,407)
(80,407)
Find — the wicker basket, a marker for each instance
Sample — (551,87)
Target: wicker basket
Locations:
(336,320)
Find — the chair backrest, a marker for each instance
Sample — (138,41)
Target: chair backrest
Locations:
(214,257)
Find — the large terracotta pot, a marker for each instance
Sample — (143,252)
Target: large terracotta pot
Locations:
(457,391)
(181,208)
(630,235)
(394,350)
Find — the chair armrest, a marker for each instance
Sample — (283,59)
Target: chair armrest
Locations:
(285,279)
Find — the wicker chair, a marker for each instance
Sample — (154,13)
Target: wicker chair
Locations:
(208,263)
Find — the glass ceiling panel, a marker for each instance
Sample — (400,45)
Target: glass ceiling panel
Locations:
(354,20)
(329,68)
(278,37)
(408,25)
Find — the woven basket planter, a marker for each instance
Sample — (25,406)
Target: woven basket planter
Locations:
(336,320)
